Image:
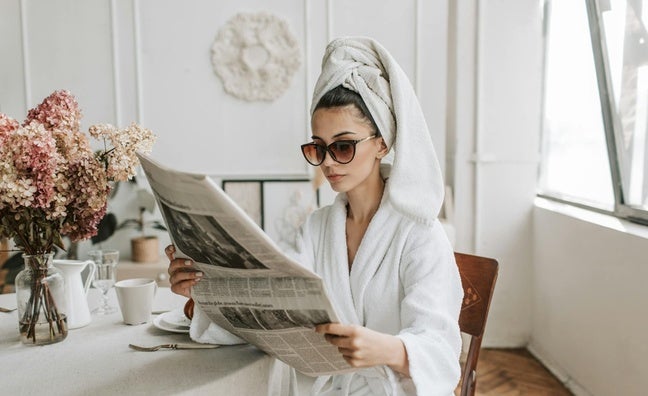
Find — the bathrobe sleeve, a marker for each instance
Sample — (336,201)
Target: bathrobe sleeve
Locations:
(430,311)
(204,331)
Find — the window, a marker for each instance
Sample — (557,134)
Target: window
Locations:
(595,117)
(575,161)
(626,40)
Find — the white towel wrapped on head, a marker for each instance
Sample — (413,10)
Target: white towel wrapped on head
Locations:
(362,65)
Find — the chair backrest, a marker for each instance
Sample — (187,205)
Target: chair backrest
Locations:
(478,276)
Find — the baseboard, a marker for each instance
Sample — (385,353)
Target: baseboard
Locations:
(495,343)
(562,375)
(507,342)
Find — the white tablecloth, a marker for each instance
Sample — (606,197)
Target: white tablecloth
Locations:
(96,360)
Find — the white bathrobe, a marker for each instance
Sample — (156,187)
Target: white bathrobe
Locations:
(403,281)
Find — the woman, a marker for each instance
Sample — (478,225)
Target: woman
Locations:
(380,248)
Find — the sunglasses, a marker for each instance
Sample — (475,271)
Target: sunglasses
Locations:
(342,151)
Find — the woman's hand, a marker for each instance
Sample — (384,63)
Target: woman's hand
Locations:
(182,275)
(363,347)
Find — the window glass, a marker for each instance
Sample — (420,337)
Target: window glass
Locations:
(626,39)
(575,163)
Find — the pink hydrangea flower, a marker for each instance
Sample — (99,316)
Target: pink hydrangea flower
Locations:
(52,184)
(59,111)
(7,125)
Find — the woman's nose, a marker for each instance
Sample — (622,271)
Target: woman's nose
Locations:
(328,159)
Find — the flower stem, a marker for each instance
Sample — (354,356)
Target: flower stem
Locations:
(41,299)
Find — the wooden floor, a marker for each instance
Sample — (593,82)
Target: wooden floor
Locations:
(511,372)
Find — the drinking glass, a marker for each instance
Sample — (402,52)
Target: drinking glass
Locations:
(104,277)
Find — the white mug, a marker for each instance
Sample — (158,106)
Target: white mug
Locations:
(136,299)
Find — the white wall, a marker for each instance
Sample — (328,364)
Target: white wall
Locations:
(149,61)
(494,128)
(589,300)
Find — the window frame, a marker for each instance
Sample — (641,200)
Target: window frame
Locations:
(611,123)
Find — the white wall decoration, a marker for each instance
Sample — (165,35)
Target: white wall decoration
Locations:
(255,55)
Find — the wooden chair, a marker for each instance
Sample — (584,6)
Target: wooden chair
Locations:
(478,276)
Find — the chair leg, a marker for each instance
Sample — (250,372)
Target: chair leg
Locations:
(469,374)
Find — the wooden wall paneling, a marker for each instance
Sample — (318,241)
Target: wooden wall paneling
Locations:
(137,60)
(392,24)
(201,127)
(432,70)
(69,47)
(316,21)
(317,25)
(12,78)
(124,61)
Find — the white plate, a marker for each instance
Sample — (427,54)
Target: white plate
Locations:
(162,325)
(175,318)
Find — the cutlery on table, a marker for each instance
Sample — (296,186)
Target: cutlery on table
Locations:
(172,346)
(7,310)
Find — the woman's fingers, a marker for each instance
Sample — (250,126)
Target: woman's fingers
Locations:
(182,275)
(182,288)
(341,341)
(185,275)
(336,329)
(183,281)
(175,264)
(342,336)
(170,252)
(180,264)
(363,347)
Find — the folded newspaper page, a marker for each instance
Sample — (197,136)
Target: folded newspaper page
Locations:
(250,287)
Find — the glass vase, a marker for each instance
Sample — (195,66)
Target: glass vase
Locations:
(40,291)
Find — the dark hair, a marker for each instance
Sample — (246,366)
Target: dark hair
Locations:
(342,97)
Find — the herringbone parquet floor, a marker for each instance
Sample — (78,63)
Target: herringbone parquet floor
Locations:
(514,372)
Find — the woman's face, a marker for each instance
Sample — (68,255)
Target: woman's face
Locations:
(344,123)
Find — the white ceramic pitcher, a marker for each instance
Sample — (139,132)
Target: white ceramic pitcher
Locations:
(78,312)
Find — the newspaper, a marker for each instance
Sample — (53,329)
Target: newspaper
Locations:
(250,287)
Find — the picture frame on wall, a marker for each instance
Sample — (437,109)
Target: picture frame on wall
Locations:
(278,206)
(286,204)
(247,194)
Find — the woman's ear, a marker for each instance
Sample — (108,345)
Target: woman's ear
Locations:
(383,150)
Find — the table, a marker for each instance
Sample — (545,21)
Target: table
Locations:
(96,360)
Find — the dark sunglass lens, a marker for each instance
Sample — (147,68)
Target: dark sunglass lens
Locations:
(313,153)
(343,151)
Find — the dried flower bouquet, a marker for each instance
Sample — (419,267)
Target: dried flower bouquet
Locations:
(52,183)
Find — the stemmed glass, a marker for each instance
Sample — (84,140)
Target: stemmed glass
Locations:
(104,277)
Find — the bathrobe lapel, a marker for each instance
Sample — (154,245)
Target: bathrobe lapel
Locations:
(335,266)
(349,289)
(369,259)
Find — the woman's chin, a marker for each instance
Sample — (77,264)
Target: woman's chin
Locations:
(338,186)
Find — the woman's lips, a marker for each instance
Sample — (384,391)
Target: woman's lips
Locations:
(334,177)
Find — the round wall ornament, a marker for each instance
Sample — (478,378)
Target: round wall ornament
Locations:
(255,55)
